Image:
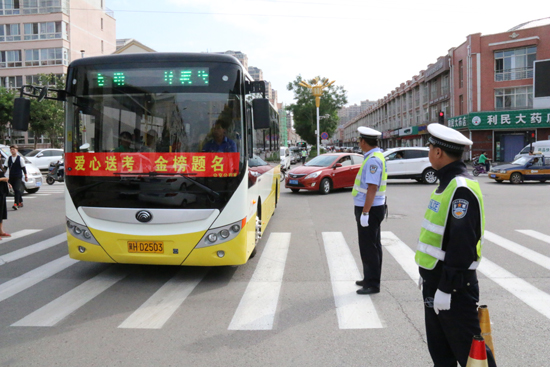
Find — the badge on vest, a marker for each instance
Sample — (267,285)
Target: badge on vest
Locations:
(434,205)
(373,168)
(459,208)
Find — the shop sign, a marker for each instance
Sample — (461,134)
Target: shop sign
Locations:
(422,129)
(412,130)
(395,133)
(521,119)
(386,134)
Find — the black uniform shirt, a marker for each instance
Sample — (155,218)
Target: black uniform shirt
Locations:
(461,235)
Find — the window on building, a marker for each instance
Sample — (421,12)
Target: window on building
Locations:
(515,64)
(461,104)
(433,90)
(101,23)
(434,113)
(460,74)
(44,31)
(514,98)
(10,32)
(35,80)
(101,46)
(445,85)
(10,59)
(9,7)
(46,56)
(11,81)
(44,6)
(445,108)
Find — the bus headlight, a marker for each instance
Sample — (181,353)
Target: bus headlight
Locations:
(81,232)
(216,236)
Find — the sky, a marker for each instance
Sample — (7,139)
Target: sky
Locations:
(368,47)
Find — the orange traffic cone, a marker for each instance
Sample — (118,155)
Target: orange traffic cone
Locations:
(478,353)
(485,325)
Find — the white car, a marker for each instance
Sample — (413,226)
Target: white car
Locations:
(42,158)
(411,162)
(285,158)
(34,177)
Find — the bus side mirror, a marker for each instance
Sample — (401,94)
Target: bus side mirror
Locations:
(21,114)
(261,114)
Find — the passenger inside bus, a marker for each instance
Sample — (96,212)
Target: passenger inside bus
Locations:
(150,142)
(125,141)
(219,142)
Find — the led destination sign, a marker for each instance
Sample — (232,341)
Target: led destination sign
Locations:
(191,77)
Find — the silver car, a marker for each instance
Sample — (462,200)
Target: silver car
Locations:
(34,177)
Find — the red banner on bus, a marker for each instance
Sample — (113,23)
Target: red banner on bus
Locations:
(116,164)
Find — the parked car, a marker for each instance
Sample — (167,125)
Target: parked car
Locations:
(42,158)
(410,162)
(34,177)
(325,172)
(534,167)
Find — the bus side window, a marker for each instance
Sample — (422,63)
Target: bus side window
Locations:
(249,131)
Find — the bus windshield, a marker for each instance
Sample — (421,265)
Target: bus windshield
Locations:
(162,137)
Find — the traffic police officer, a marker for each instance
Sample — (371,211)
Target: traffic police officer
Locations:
(369,198)
(449,251)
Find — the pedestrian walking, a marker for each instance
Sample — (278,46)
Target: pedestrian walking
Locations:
(3,207)
(16,166)
(449,251)
(369,198)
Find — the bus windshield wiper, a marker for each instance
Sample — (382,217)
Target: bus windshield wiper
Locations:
(182,174)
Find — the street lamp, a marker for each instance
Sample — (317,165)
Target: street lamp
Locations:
(317,91)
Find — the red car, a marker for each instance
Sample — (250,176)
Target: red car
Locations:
(325,172)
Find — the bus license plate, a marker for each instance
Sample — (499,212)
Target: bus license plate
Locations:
(293,182)
(146,247)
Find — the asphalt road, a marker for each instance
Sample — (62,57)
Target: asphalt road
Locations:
(280,309)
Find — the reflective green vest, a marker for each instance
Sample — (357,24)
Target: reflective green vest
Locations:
(382,188)
(429,250)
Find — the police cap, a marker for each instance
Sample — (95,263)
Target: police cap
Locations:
(446,137)
(368,133)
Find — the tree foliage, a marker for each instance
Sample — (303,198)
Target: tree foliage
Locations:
(305,113)
(7,97)
(47,117)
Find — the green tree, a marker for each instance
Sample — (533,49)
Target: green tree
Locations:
(7,97)
(47,117)
(305,112)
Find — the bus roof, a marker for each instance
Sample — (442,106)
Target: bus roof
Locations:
(154,57)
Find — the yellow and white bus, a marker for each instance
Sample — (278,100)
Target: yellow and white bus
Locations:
(167,159)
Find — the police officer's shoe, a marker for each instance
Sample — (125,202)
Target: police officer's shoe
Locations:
(360,282)
(369,290)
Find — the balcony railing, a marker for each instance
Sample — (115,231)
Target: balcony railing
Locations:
(513,74)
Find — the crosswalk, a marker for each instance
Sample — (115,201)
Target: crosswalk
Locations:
(45,190)
(260,302)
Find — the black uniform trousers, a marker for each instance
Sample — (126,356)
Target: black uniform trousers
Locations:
(450,333)
(370,245)
(17,185)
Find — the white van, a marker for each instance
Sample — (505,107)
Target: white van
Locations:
(542,146)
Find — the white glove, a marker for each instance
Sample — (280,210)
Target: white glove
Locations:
(364,220)
(420,282)
(442,301)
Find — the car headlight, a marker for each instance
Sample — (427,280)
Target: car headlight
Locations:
(313,175)
(502,171)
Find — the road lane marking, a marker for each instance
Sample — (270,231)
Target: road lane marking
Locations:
(61,307)
(529,294)
(27,280)
(256,310)
(401,253)
(32,249)
(354,311)
(518,249)
(537,235)
(154,313)
(18,234)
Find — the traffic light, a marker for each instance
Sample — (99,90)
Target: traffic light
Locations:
(441,117)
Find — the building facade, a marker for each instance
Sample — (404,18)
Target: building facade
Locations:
(483,87)
(44,36)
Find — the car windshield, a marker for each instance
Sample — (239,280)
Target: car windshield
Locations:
(523,160)
(321,161)
(33,153)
